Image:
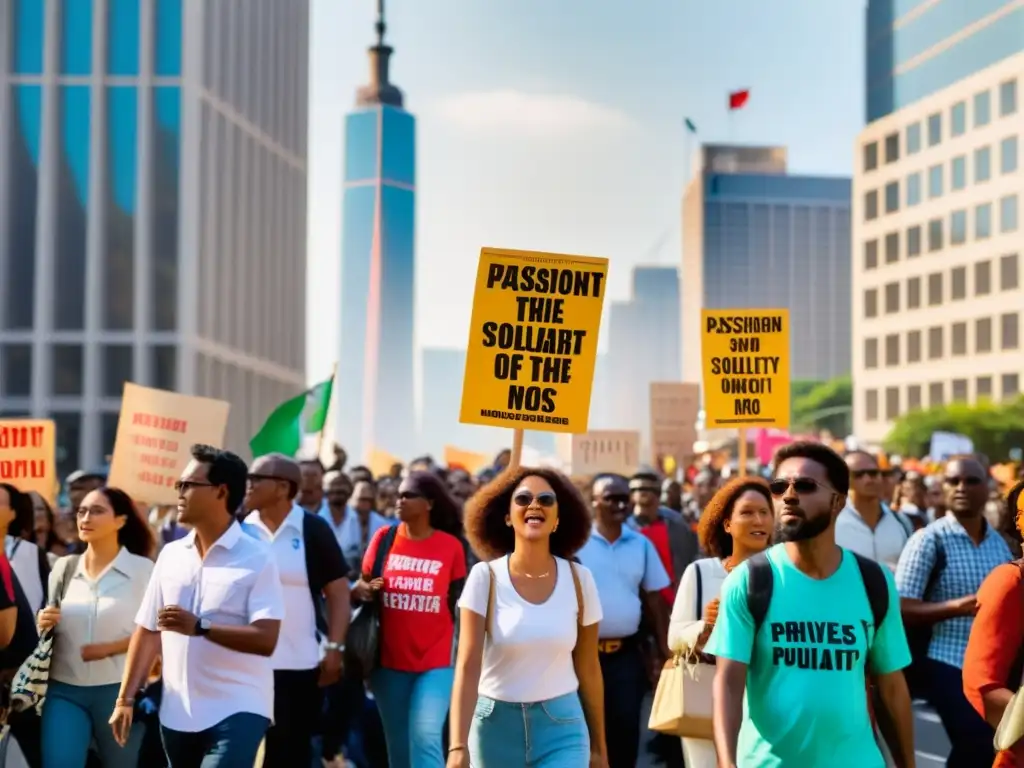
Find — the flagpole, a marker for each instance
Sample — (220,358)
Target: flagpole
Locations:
(330,412)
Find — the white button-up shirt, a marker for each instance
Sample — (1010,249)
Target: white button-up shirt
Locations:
(236,584)
(297,647)
(883,543)
(349,534)
(100,610)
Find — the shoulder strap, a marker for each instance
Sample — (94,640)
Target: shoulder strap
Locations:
(70,565)
(876,587)
(316,589)
(489,615)
(903,520)
(937,567)
(760,585)
(700,587)
(383,547)
(579,593)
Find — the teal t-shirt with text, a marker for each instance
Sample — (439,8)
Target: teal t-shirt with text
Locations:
(806,700)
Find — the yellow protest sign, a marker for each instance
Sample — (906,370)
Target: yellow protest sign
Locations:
(28,456)
(533,340)
(380,462)
(746,368)
(468,460)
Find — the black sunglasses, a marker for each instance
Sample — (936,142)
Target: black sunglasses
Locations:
(181,486)
(409,495)
(970,482)
(544,498)
(615,498)
(802,485)
(858,473)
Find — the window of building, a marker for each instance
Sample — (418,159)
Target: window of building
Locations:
(1011,385)
(1009,272)
(983,335)
(935,342)
(871,205)
(982,278)
(67,370)
(1008,214)
(892,298)
(16,370)
(913,138)
(913,241)
(982,164)
(892,148)
(871,405)
(914,347)
(958,339)
(892,349)
(892,403)
(870,353)
(1007,98)
(935,182)
(982,109)
(914,189)
(1008,155)
(958,173)
(936,394)
(958,227)
(117,368)
(892,247)
(913,292)
(871,156)
(871,254)
(959,390)
(983,388)
(934,129)
(892,197)
(914,397)
(958,119)
(68,428)
(935,235)
(165,367)
(1010,334)
(871,302)
(983,221)
(934,289)
(958,283)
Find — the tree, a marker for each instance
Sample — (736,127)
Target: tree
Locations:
(994,428)
(823,405)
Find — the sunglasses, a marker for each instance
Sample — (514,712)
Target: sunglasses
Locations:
(970,482)
(544,499)
(872,473)
(409,495)
(180,486)
(620,499)
(804,486)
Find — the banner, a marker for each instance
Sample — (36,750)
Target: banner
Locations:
(28,458)
(469,461)
(155,433)
(674,409)
(606,451)
(533,340)
(380,462)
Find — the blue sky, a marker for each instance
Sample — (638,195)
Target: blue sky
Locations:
(557,125)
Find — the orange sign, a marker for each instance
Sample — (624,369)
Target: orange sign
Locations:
(674,408)
(28,456)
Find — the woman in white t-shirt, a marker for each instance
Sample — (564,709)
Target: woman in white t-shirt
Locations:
(528,687)
(736,524)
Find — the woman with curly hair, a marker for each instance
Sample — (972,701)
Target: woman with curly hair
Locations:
(736,524)
(528,687)
(422,570)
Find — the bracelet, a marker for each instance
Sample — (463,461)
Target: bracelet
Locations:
(124,702)
(460,748)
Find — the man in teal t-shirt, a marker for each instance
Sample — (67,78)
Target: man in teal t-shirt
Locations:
(803,675)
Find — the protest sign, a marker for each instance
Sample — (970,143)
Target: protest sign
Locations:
(28,456)
(380,462)
(674,409)
(468,460)
(606,451)
(533,341)
(155,433)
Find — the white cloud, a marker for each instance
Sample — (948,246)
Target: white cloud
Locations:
(533,115)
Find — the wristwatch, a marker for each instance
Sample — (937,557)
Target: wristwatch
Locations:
(203,627)
(331,646)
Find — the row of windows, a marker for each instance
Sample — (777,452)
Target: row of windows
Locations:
(1009,280)
(934,181)
(912,144)
(894,408)
(934,344)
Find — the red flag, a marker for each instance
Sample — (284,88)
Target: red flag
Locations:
(738,99)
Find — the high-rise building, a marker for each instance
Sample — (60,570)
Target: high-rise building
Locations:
(152,209)
(375,368)
(936,276)
(756,236)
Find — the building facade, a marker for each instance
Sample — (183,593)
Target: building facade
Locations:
(152,209)
(755,236)
(375,367)
(937,289)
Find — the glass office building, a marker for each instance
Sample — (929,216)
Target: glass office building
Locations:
(375,366)
(152,208)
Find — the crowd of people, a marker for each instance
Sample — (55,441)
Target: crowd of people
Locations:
(294,614)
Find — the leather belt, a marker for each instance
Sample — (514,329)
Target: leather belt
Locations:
(609,646)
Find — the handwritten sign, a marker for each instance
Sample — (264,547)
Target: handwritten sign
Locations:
(155,433)
(606,451)
(28,456)
(746,367)
(533,340)
(674,409)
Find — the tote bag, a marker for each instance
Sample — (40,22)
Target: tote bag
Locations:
(682,702)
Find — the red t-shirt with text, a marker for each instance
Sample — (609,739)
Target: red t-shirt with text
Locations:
(657,532)
(416,622)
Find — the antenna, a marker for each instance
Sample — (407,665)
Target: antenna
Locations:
(381,26)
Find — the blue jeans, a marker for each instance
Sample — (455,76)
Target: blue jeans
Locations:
(73,716)
(544,734)
(413,708)
(231,743)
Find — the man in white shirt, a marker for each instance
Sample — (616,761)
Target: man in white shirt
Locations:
(213,610)
(312,568)
(866,525)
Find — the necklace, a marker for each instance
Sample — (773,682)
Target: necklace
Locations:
(530,575)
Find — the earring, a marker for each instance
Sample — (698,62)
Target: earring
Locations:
(508,523)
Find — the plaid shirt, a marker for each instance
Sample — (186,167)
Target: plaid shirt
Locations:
(967,565)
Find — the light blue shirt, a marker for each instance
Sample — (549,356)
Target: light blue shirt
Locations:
(622,568)
(349,533)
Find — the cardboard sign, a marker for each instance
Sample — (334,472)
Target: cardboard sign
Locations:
(468,460)
(674,409)
(28,459)
(746,368)
(533,340)
(155,433)
(606,451)
(380,462)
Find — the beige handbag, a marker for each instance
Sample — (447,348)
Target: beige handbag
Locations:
(682,702)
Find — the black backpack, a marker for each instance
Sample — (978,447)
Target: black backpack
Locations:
(919,637)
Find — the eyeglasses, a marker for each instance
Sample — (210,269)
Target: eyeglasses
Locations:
(187,485)
(872,473)
(409,495)
(616,499)
(802,485)
(970,482)
(544,499)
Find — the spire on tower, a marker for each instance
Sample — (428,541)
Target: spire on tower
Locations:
(380,25)
(380,89)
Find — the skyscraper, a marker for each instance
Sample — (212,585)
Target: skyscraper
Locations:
(152,208)
(375,367)
(756,236)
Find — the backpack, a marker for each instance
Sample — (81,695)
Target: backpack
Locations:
(324,563)
(919,637)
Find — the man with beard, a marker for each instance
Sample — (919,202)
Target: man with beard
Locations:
(628,575)
(939,574)
(799,627)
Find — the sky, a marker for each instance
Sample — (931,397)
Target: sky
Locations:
(558,126)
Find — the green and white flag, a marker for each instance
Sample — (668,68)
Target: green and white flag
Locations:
(292,420)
